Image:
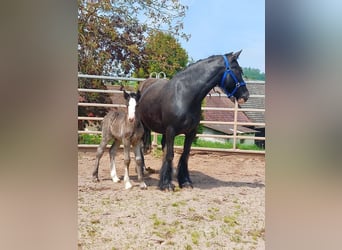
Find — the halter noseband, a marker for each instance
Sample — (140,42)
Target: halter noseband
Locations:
(231,73)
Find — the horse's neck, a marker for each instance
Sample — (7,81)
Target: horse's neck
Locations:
(201,80)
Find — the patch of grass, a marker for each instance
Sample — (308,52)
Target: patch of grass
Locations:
(89,139)
(165,231)
(212,216)
(230,220)
(238,232)
(95,221)
(91,233)
(257,233)
(188,247)
(179,141)
(196,217)
(170,243)
(191,209)
(156,221)
(106,201)
(213,213)
(236,238)
(178,203)
(157,153)
(195,237)
(213,209)
(248,147)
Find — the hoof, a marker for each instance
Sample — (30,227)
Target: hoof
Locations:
(128,185)
(167,187)
(150,170)
(115,179)
(96,179)
(143,186)
(186,185)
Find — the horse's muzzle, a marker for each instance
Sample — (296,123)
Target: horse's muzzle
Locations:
(241,100)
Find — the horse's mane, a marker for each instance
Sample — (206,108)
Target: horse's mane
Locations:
(191,65)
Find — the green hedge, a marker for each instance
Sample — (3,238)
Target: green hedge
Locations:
(179,141)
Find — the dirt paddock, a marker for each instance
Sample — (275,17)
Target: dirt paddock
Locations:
(224,210)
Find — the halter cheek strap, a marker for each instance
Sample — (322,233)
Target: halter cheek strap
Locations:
(231,73)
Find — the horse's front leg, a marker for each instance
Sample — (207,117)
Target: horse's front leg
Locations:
(183,176)
(127,160)
(165,181)
(139,164)
(112,153)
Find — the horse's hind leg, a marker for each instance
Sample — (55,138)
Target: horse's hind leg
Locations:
(99,153)
(112,153)
(139,165)
(165,181)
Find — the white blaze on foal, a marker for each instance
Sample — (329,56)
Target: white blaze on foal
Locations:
(131,109)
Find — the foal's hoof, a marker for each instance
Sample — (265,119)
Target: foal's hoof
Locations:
(167,187)
(150,170)
(128,185)
(143,186)
(96,179)
(115,179)
(186,185)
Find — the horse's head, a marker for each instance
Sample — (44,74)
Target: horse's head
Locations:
(131,103)
(232,83)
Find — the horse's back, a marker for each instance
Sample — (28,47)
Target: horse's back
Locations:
(147,83)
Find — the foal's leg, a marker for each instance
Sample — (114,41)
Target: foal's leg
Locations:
(139,164)
(99,153)
(183,172)
(165,181)
(127,160)
(112,153)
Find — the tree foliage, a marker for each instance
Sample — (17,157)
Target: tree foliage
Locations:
(164,54)
(112,34)
(253,74)
(112,37)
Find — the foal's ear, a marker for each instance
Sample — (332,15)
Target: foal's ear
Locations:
(237,54)
(138,95)
(126,95)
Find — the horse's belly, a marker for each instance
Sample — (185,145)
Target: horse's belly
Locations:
(154,124)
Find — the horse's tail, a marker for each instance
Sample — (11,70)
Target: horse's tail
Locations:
(147,140)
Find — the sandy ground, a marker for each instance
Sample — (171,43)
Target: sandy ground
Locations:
(224,210)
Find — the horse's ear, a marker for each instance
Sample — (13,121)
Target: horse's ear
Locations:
(126,95)
(237,54)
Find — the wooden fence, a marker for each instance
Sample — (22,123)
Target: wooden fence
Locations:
(235,123)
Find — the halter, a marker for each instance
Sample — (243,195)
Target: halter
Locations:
(231,73)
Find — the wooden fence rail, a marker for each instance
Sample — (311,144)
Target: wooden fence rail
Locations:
(235,123)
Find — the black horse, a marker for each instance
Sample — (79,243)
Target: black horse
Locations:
(174,107)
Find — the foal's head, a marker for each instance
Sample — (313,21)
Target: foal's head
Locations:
(131,103)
